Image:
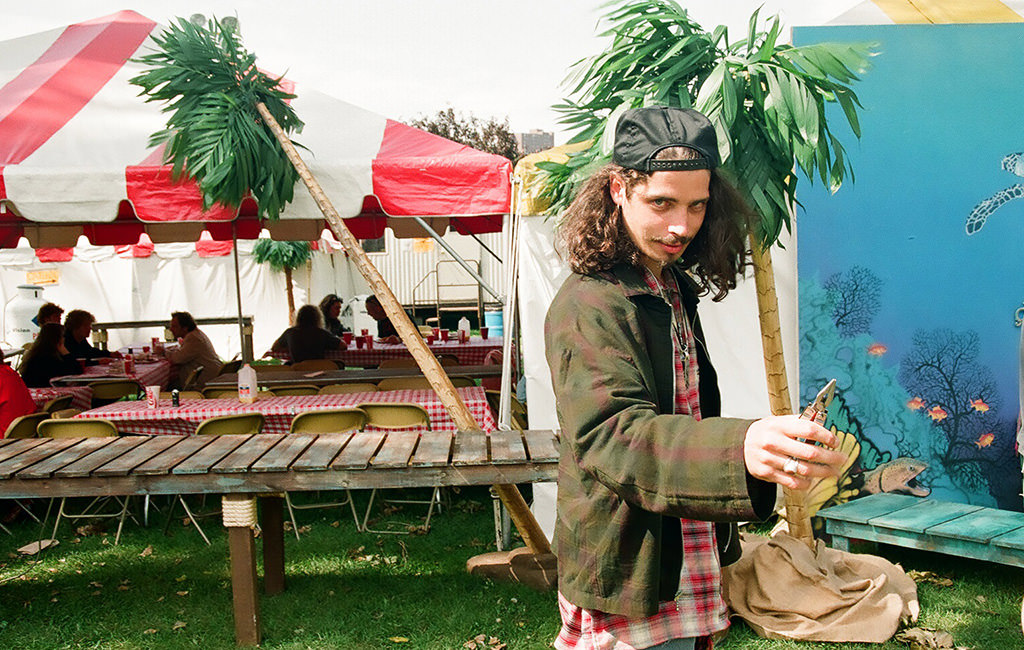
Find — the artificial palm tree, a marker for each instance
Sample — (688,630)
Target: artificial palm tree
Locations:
(228,130)
(283,256)
(767,101)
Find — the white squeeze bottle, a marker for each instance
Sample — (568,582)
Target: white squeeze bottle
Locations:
(247,384)
(463,329)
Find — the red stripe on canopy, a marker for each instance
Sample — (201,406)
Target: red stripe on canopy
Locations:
(75,67)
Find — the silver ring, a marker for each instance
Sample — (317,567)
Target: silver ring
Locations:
(791,466)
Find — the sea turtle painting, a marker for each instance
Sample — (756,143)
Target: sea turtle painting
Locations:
(1013,163)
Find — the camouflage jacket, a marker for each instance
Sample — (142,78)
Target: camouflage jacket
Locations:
(628,467)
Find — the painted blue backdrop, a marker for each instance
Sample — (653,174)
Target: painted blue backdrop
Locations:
(911,313)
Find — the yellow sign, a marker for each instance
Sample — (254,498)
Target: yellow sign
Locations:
(43,276)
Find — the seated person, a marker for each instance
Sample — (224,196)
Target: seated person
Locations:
(48,358)
(77,328)
(385,329)
(15,400)
(194,350)
(48,313)
(307,339)
(330,307)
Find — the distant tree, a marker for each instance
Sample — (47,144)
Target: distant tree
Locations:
(491,136)
(283,256)
(857,296)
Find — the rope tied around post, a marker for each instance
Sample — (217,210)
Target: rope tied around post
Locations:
(239,511)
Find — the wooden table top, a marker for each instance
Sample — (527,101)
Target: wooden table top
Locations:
(269,463)
(270,379)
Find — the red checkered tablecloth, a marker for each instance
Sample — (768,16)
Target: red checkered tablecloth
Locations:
(135,417)
(81,395)
(154,373)
(471,353)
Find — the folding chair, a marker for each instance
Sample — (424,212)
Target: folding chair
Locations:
(106,391)
(311,365)
(25,426)
(73,428)
(298,389)
(401,362)
(58,403)
(192,378)
(398,415)
(333,421)
(403,383)
(354,387)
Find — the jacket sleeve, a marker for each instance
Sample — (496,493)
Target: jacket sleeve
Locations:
(187,351)
(604,387)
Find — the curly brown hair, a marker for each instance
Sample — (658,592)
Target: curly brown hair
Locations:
(593,237)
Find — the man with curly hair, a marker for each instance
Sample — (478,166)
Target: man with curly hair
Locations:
(650,476)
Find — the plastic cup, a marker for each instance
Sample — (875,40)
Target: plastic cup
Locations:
(437,332)
(444,335)
(483,333)
(347,337)
(430,339)
(359,342)
(369,342)
(365,332)
(152,396)
(145,349)
(463,336)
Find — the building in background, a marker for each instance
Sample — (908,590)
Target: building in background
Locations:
(534,141)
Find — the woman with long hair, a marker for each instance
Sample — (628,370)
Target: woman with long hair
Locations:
(48,358)
(307,339)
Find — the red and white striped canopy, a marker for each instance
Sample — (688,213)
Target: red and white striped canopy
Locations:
(74,157)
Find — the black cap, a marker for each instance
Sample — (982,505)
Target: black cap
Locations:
(642,132)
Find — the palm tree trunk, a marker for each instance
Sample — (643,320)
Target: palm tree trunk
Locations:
(291,295)
(778,385)
(528,527)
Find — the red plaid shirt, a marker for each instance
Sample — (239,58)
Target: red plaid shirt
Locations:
(698,609)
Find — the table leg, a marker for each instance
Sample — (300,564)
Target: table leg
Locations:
(840,543)
(272,522)
(243,585)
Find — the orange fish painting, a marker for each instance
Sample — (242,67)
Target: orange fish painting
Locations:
(979,405)
(985,440)
(877,349)
(937,413)
(915,404)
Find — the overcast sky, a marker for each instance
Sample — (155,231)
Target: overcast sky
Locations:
(406,58)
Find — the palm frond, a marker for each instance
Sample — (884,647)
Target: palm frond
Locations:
(211,85)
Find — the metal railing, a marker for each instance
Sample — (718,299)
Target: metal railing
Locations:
(100,336)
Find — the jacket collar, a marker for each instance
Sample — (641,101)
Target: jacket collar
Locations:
(631,280)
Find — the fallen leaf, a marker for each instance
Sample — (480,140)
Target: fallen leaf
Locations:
(398,639)
(929,577)
(95,584)
(980,598)
(123,587)
(151,630)
(178,625)
(923,638)
(181,578)
(146,552)
(335,524)
(160,599)
(181,593)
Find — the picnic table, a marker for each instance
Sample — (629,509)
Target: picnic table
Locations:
(81,396)
(470,353)
(151,373)
(135,417)
(242,467)
(369,375)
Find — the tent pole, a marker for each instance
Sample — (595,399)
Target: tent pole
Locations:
(457,258)
(246,350)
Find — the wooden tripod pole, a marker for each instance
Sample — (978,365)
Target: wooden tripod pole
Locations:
(798,520)
(528,527)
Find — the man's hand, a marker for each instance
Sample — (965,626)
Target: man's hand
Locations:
(773,452)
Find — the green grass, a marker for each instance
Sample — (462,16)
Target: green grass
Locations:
(360,591)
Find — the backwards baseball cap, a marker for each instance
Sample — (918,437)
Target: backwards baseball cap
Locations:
(642,132)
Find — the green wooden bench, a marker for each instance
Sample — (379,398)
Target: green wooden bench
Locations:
(931,525)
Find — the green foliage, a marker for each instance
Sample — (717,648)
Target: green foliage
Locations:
(491,136)
(281,255)
(766,99)
(214,134)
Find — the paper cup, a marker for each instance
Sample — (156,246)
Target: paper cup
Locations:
(483,333)
(359,342)
(152,396)
(347,337)
(444,335)
(369,342)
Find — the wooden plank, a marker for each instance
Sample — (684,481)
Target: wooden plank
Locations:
(1013,540)
(923,515)
(396,450)
(243,586)
(18,446)
(201,461)
(318,456)
(980,526)
(470,448)
(359,450)
(125,463)
(53,446)
(434,449)
(49,466)
(164,462)
(100,457)
(272,522)
(243,458)
(507,448)
(541,444)
(283,454)
(867,508)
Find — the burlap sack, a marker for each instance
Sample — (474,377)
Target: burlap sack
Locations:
(783,590)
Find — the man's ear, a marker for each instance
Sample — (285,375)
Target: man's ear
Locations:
(617,189)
